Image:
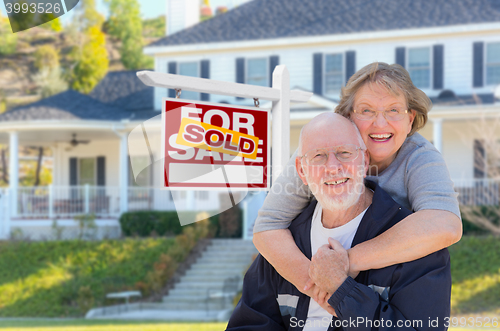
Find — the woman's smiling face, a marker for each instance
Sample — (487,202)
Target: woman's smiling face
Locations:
(383,138)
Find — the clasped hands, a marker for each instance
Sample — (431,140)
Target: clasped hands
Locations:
(329,268)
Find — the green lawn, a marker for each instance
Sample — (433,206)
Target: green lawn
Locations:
(105,325)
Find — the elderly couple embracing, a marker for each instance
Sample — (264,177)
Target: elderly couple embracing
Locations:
(358,241)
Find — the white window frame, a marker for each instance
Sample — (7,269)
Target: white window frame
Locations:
(324,73)
(431,65)
(485,66)
(266,60)
(198,63)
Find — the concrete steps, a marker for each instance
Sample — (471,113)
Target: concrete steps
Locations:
(223,258)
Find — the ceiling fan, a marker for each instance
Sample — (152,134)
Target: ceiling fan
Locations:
(74,142)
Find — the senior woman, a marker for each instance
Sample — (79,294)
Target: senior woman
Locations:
(388,111)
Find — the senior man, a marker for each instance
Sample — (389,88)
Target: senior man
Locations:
(414,295)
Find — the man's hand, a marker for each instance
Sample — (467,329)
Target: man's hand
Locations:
(329,266)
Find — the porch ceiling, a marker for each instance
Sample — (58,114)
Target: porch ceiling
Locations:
(47,136)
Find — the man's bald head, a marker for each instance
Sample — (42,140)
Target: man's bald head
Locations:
(328,127)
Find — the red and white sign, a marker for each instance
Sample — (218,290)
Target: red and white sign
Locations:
(215,146)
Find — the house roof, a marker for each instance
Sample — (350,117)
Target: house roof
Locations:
(270,19)
(448,98)
(68,105)
(124,90)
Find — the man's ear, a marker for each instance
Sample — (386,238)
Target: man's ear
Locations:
(300,170)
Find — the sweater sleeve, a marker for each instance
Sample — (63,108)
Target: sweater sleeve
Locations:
(286,199)
(418,298)
(428,182)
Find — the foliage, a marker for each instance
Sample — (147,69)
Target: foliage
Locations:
(154,27)
(54,25)
(87,15)
(475,270)
(166,223)
(125,24)
(8,40)
(50,81)
(86,226)
(91,61)
(230,223)
(61,278)
(471,215)
(46,56)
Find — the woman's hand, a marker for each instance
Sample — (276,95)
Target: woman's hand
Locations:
(312,290)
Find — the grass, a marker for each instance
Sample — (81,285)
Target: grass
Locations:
(475,269)
(105,325)
(66,278)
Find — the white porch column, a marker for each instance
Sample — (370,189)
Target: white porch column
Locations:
(123,173)
(438,134)
(280,122)
(13,175)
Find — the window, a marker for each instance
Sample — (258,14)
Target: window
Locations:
(334,73)
(419,66)
(493,64)
(189,69)
(257,72)
(86,171)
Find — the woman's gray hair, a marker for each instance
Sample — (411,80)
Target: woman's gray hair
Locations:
(396,80)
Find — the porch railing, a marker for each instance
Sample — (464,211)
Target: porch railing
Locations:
(104,201)
(478,192)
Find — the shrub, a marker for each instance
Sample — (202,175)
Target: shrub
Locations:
(166,223)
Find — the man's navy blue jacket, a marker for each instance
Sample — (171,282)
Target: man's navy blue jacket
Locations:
(416,293)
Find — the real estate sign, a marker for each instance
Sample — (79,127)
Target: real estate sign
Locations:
(215,146)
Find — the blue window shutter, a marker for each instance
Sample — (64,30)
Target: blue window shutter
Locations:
(273,62)
(101,171)
(477,64)
(205,73)
(400,56)
(479,159)
(318,73)
(73,171)
(240,72)
(172,69)
(438,68)
(350,64)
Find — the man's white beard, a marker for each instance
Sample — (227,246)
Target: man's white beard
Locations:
(339,203)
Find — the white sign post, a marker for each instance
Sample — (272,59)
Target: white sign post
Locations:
(279,94)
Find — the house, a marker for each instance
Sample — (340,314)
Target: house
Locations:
(450,47)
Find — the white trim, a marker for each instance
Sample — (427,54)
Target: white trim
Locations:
(292,42)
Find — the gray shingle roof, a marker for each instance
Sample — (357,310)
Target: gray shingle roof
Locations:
(268,19)
(68,105)
(124,90)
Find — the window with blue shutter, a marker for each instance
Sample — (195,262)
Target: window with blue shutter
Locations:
(205,73)
(334,73)
(493,64)
(172,69)
(191,69)
(438,67)
(318,73)
(240,72)
(419,66)
(477,64)
(350,64)
(274,61)
(400,56)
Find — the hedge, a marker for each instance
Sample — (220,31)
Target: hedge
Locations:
(166,223)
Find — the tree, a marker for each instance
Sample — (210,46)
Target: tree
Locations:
(92,61)
(50,81)
(125,24)
(90,57)
(480,200)
(8,40)
(46,56)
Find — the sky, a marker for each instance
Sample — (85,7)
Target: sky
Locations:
(149,8)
